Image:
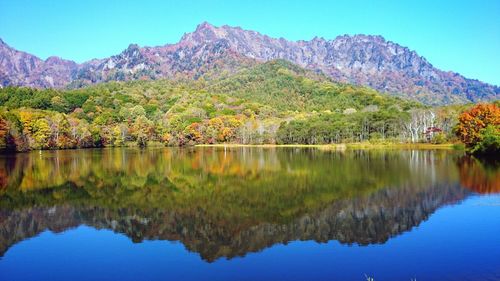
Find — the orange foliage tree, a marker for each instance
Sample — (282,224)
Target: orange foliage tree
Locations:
(4,130)
(472,123)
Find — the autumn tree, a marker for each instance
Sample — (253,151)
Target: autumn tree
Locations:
(142,130)
(479,128)
(193,132)
(4,130)
(41,133)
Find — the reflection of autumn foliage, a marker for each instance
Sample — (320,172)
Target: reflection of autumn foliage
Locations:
(7,175)
(276,183)
(477,177)
(4,178)
(225,202)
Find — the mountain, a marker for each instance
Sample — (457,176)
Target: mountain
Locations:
(23,69)
(360,59)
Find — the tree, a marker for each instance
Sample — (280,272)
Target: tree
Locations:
(120,132)
(41,133)
(418,123)
(4,130)
(193,132)
(479,128)
(142,130)
(489,142)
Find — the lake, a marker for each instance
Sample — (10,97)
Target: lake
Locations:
(248,214)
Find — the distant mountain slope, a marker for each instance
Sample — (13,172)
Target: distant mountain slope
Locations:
(23,69)
(284,85)
(360,59)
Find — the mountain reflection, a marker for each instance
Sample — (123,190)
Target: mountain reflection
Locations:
(226,203)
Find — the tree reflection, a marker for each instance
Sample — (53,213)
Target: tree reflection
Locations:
(481,176)
(226,203)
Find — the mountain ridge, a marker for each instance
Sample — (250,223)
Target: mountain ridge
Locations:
(366,60)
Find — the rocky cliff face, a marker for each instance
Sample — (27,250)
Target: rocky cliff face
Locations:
(360,59)
(23,69)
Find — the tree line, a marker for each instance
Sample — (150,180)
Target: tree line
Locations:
(273,103)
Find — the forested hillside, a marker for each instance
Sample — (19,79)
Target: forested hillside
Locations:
(274,102)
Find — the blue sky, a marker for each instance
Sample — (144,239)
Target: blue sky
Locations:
(463,36)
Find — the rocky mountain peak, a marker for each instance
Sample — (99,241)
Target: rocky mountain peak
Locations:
(368,60)
(364,38)
(317,39)
(133,50)
(4,46)
(55,60)
(204,33)
(204,26)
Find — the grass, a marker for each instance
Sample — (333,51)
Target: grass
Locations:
(400,146)
(266,145)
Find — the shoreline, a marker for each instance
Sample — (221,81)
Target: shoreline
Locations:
(338,147)
(342,146)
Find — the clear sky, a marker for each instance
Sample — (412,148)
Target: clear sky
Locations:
(463,36)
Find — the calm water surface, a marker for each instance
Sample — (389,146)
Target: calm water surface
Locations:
(248,214)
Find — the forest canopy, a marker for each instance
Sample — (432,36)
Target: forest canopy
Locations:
(274,102)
